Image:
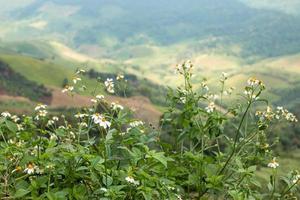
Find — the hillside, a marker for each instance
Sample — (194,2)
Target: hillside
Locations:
(215,25)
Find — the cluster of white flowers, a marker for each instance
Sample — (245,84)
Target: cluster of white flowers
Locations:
(68,89)
(211,107)
(41,111)
(273,164)
(286,114)
(101,121)
(131,180)
(185,66)
(116,106)
(279,113)
(254,82)
(6,114)
(110,86)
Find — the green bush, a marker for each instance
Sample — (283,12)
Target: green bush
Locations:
(106,154)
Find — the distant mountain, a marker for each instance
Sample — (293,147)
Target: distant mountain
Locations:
(259,28)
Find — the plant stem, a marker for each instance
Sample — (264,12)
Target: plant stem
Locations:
(236,139)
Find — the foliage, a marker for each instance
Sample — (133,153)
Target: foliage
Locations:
(108,155)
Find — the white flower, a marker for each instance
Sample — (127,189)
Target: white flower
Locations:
(99,97)
(178,196)
(76,79)
(40,107)
(68,89)
(296,179)
(5,114)
(253,82)
(55,118)
(94,100)
(211,107)
(15,118)
(83,124)
(79,115)
(273,164)
(224,75)
(20,127)
(103,189)
(80,71)
(100,120)
(50,122)
(136,124)
(30,168)
(42,113)
(115,106)
(53,137)
(131,180)
(109,84)
(182,100)
(120,77)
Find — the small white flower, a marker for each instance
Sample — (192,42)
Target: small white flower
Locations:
(100,97)
(178,197)
(136,124)
(103,189)
(100,120)
(40,107)
(296,179)
(83,124)
(115,106)
(81,116)
(53,137)
(6,114)
(211,107)
(68,89)
(253,82)
(50,122)
(94,101)
(20,127)
(131,180)
(109,84)
(30,169)
(55,118)
(120,77)
(80,71)
(182,100)
(15,118)
(76,79)
(273,164)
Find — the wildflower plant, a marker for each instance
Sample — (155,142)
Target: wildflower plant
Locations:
(212,151)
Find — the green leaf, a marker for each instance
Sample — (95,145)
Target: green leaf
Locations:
(21,193)
(11,126)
